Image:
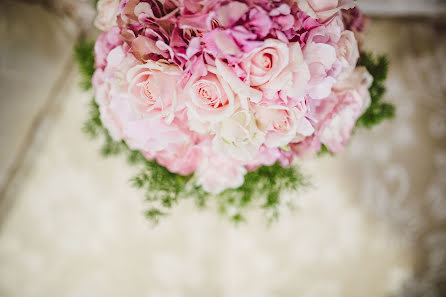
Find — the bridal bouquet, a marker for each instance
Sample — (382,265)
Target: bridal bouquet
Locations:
(215,99)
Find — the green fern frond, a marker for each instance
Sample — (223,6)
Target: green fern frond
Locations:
(378,110)
(84,56)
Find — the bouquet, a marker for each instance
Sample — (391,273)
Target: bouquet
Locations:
(215,99)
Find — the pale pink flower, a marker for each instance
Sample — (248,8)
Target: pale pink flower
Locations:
(307,148)
(153,90)
(281,124)
(292,81)
(265,157)
(153,135)
(350,101)
(217,173)
(209,98)
(323,10)
(182,158)
(105,42)
(265,63)
(321,57)
(107,13)
(347,53)
(337,128)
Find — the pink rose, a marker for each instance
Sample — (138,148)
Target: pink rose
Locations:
(292,82)
(265,63)
(281,124)
(107,13)
(347,53)
(323,10)
(153,90)
(209,98)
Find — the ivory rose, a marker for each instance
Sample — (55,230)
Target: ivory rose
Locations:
(238,136)
(153,90)
(107,13)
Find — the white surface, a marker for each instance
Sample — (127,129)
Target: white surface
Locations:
(33,54)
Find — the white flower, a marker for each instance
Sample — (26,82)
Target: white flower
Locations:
(238,136)
(107,13)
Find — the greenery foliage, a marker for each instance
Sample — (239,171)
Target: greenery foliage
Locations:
(263,188)
(378,111)
(83,53)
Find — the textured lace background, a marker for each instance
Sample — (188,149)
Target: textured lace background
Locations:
(373,224)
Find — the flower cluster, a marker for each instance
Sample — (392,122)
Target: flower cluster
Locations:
(219,88)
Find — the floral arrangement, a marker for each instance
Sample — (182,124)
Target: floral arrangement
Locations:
(216,98)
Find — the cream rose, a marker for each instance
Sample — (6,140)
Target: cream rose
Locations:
(153,91)
(238,136)
(107,13)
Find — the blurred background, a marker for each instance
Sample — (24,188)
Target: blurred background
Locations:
(373,224)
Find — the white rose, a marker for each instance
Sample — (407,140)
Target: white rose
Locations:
(107,13)
(238,136)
